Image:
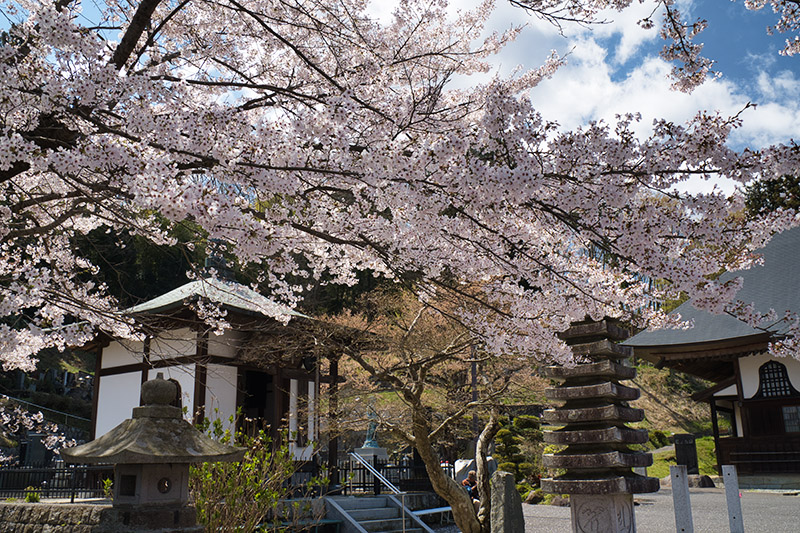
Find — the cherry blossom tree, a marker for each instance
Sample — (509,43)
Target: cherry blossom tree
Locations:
(424,358)
(313,138)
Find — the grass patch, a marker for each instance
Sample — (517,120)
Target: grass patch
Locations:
(706,459)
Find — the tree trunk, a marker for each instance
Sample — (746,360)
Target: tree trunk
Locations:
(446,487)
(484,488)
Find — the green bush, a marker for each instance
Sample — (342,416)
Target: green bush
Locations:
(524,489)
(527,470)
(508,467)
(658,439)
(108,488)
(31,495)
(526,422)
(245,493)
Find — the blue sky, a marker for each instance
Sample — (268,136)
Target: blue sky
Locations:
(615,68)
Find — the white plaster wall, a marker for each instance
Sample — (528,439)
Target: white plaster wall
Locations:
(727,391)
(183,374)
(122,353)
(301,453)
(173,343)
(737,412)
(225,345)
(221,381)
(749,368)
(117,396)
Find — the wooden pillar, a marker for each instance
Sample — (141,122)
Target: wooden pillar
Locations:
(715,429)
(333,421)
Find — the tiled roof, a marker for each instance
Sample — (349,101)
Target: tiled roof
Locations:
(773,285)
(229,294)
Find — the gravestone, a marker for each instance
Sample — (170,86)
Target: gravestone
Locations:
(34,452)
(686,452)
(506,516)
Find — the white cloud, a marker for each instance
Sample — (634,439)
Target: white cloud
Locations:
(613,69)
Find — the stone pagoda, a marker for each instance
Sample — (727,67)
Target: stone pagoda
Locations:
(152,452)
(597,460)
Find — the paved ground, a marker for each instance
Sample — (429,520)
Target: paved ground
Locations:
(773,512)
(762,512)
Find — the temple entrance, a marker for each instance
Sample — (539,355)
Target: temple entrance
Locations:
(258,401)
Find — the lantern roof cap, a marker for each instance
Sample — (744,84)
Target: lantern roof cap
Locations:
(156,434)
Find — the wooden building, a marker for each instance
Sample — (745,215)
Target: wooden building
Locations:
(264,363)
(759,390)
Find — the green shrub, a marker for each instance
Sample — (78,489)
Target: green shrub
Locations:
(508,467)
(526,422)
(31,495)
(108,488)
(658,439)
(246,493)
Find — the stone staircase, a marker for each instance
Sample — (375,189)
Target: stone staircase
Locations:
(371,514)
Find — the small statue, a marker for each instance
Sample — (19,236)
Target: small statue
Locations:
(371,441)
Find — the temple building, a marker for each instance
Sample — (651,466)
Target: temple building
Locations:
(263,364)
(759,390)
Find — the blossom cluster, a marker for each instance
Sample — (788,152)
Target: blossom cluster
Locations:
(289,129)
(16,422)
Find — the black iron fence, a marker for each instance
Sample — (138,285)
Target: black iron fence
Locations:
(79,481)
(408,476)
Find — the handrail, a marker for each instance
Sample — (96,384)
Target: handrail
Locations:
(380,477)
(374,471)
(411,515)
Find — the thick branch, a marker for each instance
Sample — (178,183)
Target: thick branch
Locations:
(140,21)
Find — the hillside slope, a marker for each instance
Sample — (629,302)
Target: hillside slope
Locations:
(666,400)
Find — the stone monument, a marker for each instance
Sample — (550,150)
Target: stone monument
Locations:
(597,460)
(506,514)
(152,452)
(686,452)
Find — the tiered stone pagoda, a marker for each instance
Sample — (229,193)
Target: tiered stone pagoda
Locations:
(152,452)
(597,458)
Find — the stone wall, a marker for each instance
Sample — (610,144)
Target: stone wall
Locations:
(47,518)
(93,518)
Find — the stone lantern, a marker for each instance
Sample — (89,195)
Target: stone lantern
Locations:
(152,452)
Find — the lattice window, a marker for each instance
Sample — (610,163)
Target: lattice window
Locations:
(774,381)
(791,418)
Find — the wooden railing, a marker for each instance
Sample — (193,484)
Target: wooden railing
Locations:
(758,455)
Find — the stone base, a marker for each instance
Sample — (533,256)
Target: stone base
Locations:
(611,513)
(94,518)
(369,453)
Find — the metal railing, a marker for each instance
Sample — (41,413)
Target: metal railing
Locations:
(410,477)
(380,478)
(80,481)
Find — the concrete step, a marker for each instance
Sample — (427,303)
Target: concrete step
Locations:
(382,526)
(361,502)
(377,513)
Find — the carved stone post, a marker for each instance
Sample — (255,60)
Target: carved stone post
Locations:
(597,460)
